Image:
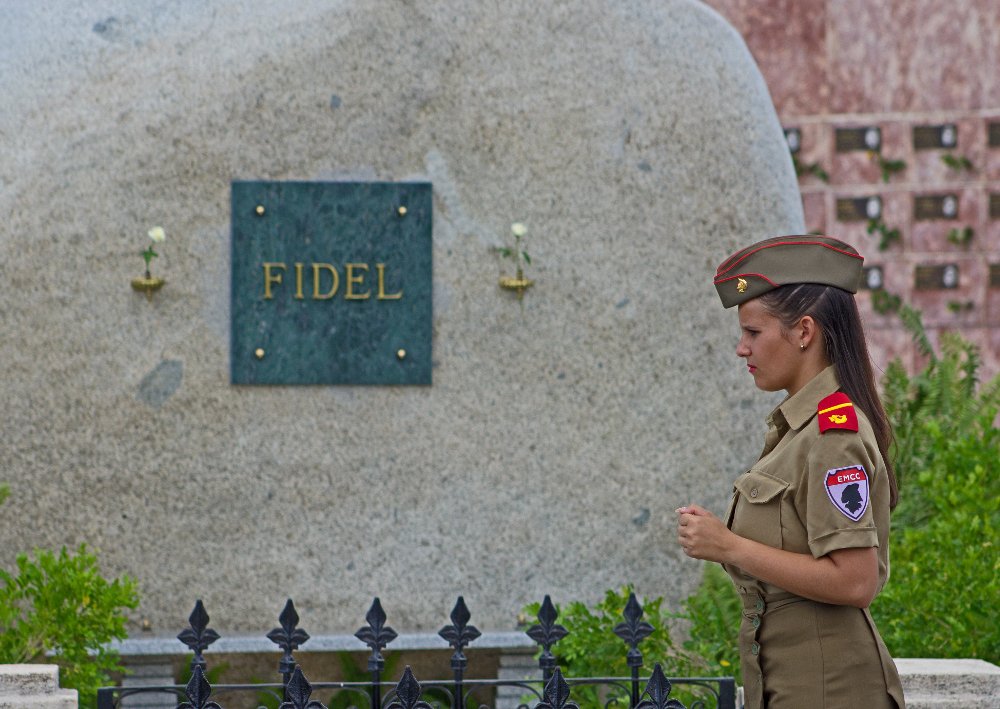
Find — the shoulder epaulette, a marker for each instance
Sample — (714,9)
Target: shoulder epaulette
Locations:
(836,412)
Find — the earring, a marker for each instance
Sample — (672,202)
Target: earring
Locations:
(802,346)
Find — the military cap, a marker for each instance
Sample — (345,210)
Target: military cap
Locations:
(782,260)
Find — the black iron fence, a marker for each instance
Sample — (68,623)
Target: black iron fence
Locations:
(552,691)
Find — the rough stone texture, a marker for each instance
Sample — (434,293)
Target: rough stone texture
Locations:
(949,684)
(34,687)
(636,140)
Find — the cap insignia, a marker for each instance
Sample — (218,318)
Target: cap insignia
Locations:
(741,285)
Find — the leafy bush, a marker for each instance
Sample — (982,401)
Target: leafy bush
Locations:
(354,668)
(946,390)
(941,601)
(714,611)
(58,608)
(593,650)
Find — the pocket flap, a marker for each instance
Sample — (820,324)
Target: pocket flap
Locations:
(758,488)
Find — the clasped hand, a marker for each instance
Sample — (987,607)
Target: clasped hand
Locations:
(702,535)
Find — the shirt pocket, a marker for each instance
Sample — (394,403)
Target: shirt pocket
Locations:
(758,508)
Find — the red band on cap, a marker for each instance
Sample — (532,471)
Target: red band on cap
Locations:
(743,275)
(726,266)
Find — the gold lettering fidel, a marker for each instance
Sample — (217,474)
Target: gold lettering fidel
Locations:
(380,267)
(269,278)
(334,286)
(298,281)
(351,279)
(354,279)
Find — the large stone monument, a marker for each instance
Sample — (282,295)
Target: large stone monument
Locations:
(636,141)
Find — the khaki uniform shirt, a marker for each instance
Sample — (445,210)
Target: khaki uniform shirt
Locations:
(795,652)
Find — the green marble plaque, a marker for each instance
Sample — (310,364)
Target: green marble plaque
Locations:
(331,283)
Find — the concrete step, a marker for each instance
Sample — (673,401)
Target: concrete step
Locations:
(34,687)
(23,680)
(949,684)
(952,701)
(63,699)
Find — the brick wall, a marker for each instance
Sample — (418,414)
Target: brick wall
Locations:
(924,75)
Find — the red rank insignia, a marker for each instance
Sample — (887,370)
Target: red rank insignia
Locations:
(836,412)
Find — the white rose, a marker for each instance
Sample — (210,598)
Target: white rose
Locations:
(157,234)
(518,229)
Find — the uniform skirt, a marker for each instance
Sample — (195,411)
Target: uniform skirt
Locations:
(798,653)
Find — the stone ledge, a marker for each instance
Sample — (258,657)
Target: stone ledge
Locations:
(65,699)
(952,701)
(134,647)
(23,680)
(34,687)
(930,683)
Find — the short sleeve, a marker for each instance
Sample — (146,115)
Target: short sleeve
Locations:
(839,481)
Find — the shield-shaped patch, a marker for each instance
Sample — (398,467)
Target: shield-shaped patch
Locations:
(848,490)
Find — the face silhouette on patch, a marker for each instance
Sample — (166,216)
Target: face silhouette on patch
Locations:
(847,489)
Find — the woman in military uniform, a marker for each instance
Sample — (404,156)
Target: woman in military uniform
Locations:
(806,537)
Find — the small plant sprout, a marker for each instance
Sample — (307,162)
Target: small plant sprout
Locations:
(519,255)
(887,166)
(884,302)
(156,236)
(961,236)
(957,162)
(886,234)
(149,284)
(959,306)
(813,168)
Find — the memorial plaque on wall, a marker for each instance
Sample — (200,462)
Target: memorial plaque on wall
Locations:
(942,206)
(931,137)
(793,136)
(857,209)
(993,135)
(849,139)
(873,279)
(331,283)
(937,277)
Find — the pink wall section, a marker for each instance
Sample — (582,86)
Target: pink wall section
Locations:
(894,65)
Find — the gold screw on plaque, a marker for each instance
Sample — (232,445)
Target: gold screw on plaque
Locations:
(401,354)
(401,211)
(260,210)
(259,352)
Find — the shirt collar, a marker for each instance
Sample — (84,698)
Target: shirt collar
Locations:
(801,407)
